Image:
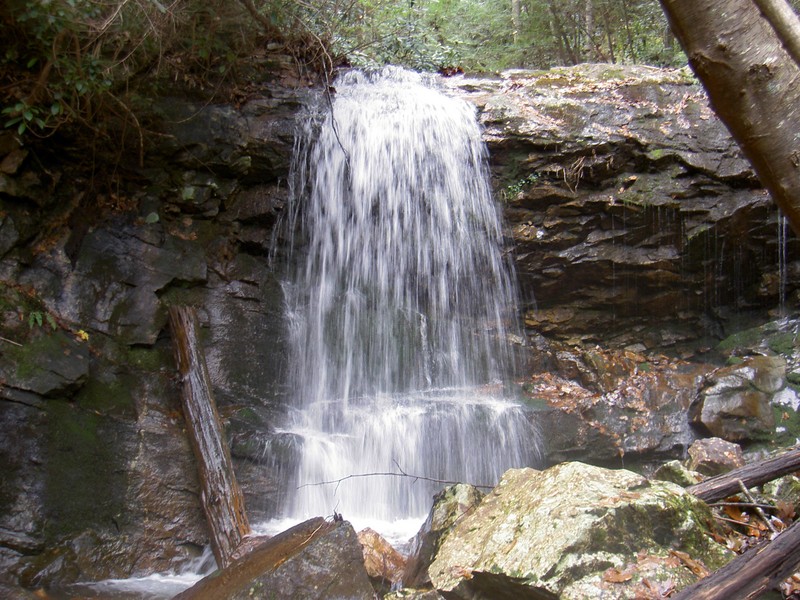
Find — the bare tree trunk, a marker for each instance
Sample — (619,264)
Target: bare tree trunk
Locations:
(728,484)
(753,84)
(785,23)
(561,35)
(516,18)
(223,502)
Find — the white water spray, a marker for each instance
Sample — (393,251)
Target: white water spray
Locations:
(399,302)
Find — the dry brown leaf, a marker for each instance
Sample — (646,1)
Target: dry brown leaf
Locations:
(614,575)
(695,566)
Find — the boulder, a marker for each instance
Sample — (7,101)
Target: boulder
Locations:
(735,404)
(449,506)
(675,472)
(713,456)
(576,531)
(384,564)
(315,559)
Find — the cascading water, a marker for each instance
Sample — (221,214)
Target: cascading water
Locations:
(399,302)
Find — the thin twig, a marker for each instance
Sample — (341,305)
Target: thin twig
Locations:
(390,474)
(744,505)
(12,342)
(735,522)
(333,122)
(756,507)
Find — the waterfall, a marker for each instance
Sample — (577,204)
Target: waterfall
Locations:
(400,304)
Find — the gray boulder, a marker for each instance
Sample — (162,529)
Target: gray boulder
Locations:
(736,403)
(576,531)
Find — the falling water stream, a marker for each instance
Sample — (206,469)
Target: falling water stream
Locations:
(400,305)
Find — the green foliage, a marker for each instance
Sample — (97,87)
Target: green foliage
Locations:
(514,189)
(78,61)
(38,318)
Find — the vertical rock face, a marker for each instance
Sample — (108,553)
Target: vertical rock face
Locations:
(575,531)
(98,476)
(627,202)
(449,505)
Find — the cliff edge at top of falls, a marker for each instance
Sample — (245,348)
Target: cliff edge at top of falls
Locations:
(633,218)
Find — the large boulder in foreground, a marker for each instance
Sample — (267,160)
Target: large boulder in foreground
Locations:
(315,559)
(577,531)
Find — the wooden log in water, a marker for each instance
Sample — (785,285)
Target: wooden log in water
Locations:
(222,499)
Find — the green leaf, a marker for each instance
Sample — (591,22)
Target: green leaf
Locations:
(22,127)
(55,109)
(28,115)
(51,321)
(151,218)
(32,62)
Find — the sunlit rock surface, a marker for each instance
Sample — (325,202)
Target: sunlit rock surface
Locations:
(575,531)
(449,506)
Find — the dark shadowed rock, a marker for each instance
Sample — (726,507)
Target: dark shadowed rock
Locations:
(633,212)
(314,560)
(614,406)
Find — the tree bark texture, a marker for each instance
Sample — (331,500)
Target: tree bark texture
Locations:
(753,85)
(785,22)
(222,499)
(727,484)
(751,574)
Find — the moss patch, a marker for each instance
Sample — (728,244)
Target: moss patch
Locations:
(85,483)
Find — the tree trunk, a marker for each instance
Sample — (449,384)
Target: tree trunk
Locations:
(516,18)
(785,23)
(753,84)
(567,51)
(222,499)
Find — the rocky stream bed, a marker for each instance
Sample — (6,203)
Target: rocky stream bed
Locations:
(658,295)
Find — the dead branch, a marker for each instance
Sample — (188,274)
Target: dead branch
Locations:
(401,473)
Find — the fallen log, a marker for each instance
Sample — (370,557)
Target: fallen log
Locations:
(751,574)
(222,499)
(760,569)
(727,484)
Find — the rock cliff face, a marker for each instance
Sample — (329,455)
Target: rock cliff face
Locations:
(633,219)
(633,215)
